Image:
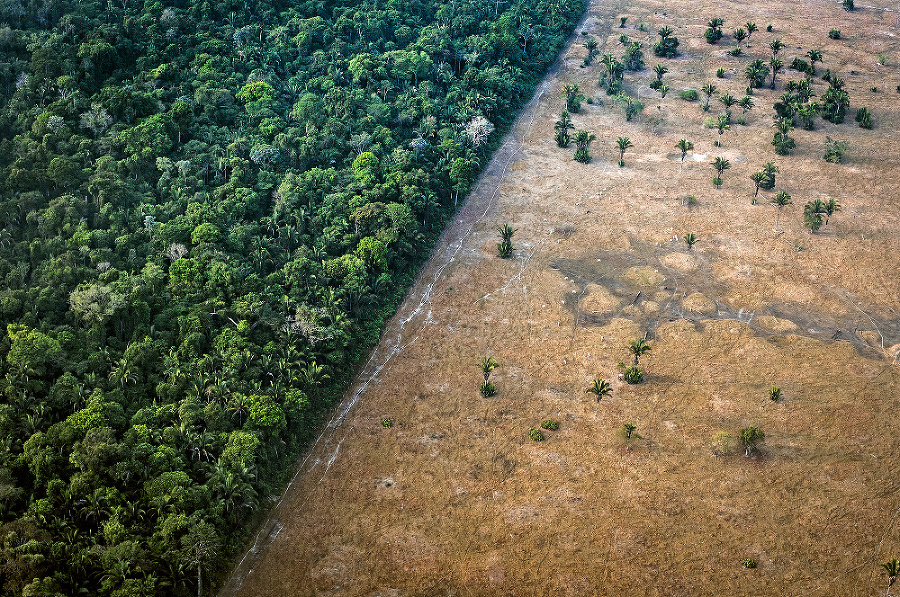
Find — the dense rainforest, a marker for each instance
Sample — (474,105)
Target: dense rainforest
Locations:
(208,210)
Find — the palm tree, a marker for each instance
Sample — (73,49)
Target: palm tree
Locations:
(814,56)
(780,200)
(776,65)
(774,393)
(660,70)
(623,143)
(751,29)
(709,89)
(563,126)
(728,99)
(599,388)
(506,231)
(759,178)
(690,239)
(583,140)
(740,34)
(684,146)
(782,142)
(831,206)
(723,123)
(637,348)
(812,214)
(573,97)
(591,46)
(893,570)
(746,103)
(776,45)
(665,32)
(721,164)
(487,365)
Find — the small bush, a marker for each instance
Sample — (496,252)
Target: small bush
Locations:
(834,150)
(689,95)
(387,423)
(834,33)
(487,389)
(735,52)
(633,375)
(656,84)
(551,425)
(748,563)
(720,73)
(504,249)
(849,5)
(717,182)
(722,443)
(770,28)
(710,122)
(626,431)
(864,118)
(801,65)
(535,434)
(741,121)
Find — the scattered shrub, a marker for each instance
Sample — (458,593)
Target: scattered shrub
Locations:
(689,95)
(536,434)
(882,59)
(849,5)
(627,431)
(504,249)
(551,425)
(748,563)
(834,33)
(735,52)
(487,389)
(720,73)
(864,118)
(801,65)
(387,423)
(722,443)
(770,28)
(633,375)
(717,182)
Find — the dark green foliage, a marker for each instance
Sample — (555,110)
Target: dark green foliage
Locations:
(735,52)
(834,150)
(667,46)
(550,425)
(535,434)
(720,73)
(573,97)
(775,394)
(387,423)
(802,65)
(563,126)
(713,32)
(487,389)
(834,33)
(583,140)
(892,567)
(207,213)
(864,118)
(634,57)
(835,101)
(756,73)
(631,105)
(812,215)
(689,95)
(849,5)
(748,563)
(628,431)
(505,249)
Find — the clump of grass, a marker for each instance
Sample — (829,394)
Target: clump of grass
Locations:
(535,434)
(487,389)
(632,374)
(551,425)
(689,95)
(387,423)
(834,34)
(748,563)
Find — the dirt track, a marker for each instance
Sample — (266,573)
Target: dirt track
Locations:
(455,499)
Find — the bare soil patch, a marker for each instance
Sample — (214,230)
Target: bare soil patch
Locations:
(455,499)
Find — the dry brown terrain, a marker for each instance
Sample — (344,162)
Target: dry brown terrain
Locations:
(455,499)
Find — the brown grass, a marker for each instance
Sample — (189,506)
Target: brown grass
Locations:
(454,499)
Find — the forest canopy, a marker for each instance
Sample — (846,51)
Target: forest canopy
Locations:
(208,212)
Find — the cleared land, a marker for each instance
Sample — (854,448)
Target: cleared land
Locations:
(455,499)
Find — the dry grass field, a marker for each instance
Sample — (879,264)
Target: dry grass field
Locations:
(455,499)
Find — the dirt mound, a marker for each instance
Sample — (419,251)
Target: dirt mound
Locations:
(599,302)
(699,304)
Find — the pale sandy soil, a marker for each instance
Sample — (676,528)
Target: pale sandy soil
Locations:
(455,499)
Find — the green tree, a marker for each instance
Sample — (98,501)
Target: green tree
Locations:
(690,239)
(623,143)
(812,214)
(660,70)
(684,146)
(814,56)
(487,365)
(751,29)
(638,348)
(583,141)
(563,126)
(709,90)
(750,438)
(573,97)
(739,34)
(781,200)
(600,388)
(892,568)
